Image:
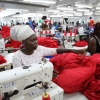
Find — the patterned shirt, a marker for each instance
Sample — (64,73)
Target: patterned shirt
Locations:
(21,59)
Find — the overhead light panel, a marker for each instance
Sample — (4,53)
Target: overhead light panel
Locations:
(55,16)
(84,6)
(97,7)
(55,11)
(88,13)
(65,8)
(83,10)
(41,1)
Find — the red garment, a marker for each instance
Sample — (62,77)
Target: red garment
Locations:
(48,42)
(92,91)
(81,43)
(16,44)
(75,71)
(5,32)
(2,59)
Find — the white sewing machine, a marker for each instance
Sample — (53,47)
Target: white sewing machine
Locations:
(20,83)
(2,44)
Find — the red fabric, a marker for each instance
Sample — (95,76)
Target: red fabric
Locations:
(16,44)
(5,32)
(2,59)
(92,91)
(47,42)
(81,43)
(8,45)
(70,32)
(77,73)
(45,32)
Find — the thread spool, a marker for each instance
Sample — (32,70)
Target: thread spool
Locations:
(46,97)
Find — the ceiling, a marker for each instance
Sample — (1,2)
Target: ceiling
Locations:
(52,8)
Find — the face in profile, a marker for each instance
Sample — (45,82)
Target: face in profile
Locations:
(31,43)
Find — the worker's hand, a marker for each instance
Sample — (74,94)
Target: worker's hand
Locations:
(55,74)
(79,52)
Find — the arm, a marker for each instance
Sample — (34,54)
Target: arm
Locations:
(53,51)
(63,50)
(92,46)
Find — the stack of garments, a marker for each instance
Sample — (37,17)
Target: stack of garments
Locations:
(13,43)
(78,73)
(2,59)
(5,32)
(47,42)
(81,43)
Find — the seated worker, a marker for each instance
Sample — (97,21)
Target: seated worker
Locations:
(45,28)
(32,52)
(94,43)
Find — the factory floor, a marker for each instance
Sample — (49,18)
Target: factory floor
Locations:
(74,96)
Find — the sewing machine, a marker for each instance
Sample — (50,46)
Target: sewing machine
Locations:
(21,83)
(2,44)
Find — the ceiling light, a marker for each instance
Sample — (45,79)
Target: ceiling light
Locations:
(68,11)
(97,7)
(68,15)
(69,6)
(77,14)
(55,11)
(83,10)
(88,13)
(64,8)
(97,13)
(10,11)
(41,1)
(84,6)
(55,16)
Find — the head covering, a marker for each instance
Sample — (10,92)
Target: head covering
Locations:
(20,32)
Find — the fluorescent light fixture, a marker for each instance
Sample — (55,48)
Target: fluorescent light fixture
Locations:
(88,13)
(55,11)
(68,15)
(97,7)
(5,14)
(86,10)
(41,1)
(65,8)
(77,14)
(15,9)
(97,13)
(55,16)
(10,11)
(84,6)
(68,11)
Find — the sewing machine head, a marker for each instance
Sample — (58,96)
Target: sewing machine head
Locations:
(19,82)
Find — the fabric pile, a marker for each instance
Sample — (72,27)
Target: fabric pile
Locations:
(5,32)
(2,59)
(14,44)
(80,43)
(78,73)
(47,42)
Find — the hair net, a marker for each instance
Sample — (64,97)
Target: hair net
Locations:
(20,32)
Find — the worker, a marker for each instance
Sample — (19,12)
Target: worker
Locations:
(31,53)
(94,43)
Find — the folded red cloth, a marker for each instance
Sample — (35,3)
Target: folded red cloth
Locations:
(5,32)
(8,45)
(81,43)
(47,42)
(2,59)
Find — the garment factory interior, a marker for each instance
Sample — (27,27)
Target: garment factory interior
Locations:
(49,50)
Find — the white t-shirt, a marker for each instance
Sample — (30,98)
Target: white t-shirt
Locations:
(20,59)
